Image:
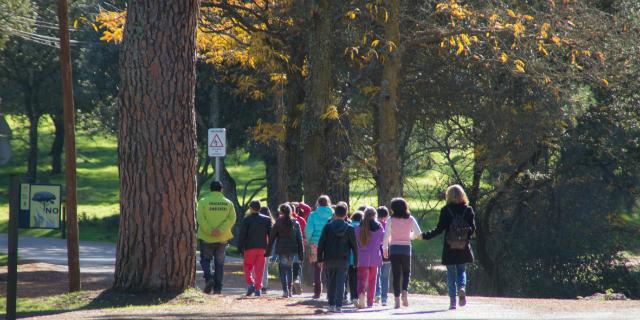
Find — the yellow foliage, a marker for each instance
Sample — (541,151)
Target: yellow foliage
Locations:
(375,43)
(511,14)
(265,132)
(465,39)
(504,58)
(528,17)
(352,14)
(556,40)
(547,80)
(518,29)
(605,81)
(460,47)
(113,24)
(331,113)
(519,65)
(542,49)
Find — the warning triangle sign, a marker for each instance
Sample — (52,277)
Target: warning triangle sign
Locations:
(216,142)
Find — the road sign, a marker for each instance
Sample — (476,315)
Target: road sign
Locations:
(40,206)
(217,142)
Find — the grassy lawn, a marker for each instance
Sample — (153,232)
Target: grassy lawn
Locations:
(88,300)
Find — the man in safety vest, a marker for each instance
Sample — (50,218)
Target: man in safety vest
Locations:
(215,215)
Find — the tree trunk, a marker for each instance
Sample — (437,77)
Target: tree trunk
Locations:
(388,177)
(292,166)
(58,144)
(32,162)
(337,153)
(157,148)
(271,166)
(317,100)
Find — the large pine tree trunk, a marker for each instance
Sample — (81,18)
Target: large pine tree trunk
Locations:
(317,100)
(389,177)
(58,144)
(292,155)
(157,147)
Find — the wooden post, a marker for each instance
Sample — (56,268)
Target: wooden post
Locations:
(12,266)
(69,148)
(63,229)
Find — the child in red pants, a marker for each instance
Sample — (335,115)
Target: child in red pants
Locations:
(252,241)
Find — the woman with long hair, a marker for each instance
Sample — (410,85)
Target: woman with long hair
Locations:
(457,221)
(287,235)
(369,235)
(401,228)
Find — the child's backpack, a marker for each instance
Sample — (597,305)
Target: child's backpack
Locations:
(458,234)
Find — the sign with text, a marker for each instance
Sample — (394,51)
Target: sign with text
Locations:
(40,206)
(217,142)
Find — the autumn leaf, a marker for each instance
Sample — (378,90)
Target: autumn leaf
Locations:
(519,65)
(504,58)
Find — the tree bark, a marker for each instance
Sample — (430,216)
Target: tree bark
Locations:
(389,177)
(157,148)
(58,144)
(317,100)
(32,162)
(292,166)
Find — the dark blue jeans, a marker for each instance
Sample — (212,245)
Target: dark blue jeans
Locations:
(336,276)
(286,272)
(456,278)
(215,252)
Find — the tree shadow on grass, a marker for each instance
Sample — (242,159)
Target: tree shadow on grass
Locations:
(113,299)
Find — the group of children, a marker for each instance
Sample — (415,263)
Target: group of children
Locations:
(358,250)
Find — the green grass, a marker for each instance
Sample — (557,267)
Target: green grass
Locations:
(88,300)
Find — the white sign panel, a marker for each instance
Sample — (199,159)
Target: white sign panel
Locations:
(217,142)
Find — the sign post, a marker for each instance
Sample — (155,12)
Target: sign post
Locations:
(12,263)
(217,147)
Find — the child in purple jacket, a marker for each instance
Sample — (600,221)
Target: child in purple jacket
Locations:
(369,235)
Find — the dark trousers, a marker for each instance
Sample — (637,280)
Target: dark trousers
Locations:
(353,282)
(286,272)
(317,280)
(215,252)
(297,271)
(336,276)
(401,269)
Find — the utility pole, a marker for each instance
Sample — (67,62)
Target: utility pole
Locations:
(69,148)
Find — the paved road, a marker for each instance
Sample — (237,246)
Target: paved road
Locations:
(98,257)
(95,257)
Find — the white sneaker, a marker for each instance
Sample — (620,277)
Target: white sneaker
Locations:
(331,309)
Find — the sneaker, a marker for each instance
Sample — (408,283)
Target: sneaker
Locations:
(208,287)
(264,291)
(337,310)
(361,304)
(462,296)
(286,294)
(452,303)
(331,309)
(354,302)
(377,299)
(258,293)
(397,303)
(250,290)
(405,298)
(384,302)
(315,297)
(217,291)
(296,288)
